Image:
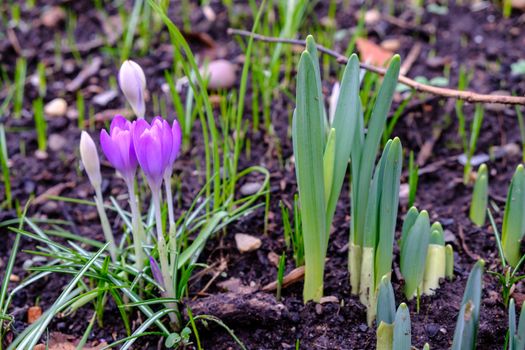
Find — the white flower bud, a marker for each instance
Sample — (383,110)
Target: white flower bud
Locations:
(89,157)
(132,82)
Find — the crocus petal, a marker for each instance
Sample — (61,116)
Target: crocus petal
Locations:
(148,149)
(119,123)
(167,144)
(177,140)
(110,150)
(118,146)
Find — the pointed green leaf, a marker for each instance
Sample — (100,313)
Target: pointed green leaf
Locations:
(466,331)
(346,122)
(370,232)
(513,219)
(402,329)
(373,138)
(409,221)
(519,337)
(388,210)
(478,206)
(328,165)
(308,134)
(449,268)
(436,234)
(384,335)
(512,325)
(311,48)
(386,302)
(414,254)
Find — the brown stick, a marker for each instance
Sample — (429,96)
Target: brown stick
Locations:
(468,96)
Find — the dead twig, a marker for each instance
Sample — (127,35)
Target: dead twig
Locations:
(293,276)
(410,59)
(468,96)
(464,245)
(220,269)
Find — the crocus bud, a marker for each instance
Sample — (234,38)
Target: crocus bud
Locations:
(156,272)
(118,147)
(89,157)
(153,146)
(132,81)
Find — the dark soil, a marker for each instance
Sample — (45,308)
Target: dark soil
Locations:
(479,39)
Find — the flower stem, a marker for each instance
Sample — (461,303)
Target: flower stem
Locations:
(169,199)
(163,256)
(104,222)
(136,229)
(171,217)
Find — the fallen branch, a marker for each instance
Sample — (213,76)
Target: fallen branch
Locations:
(468,96)
(295,275)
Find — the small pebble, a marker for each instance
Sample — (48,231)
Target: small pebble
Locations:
(404,190)
(518,4)
(209,13)
(432,329)
(41,155)
(50,207)
(105,97)
(329,299)
(246,243)
(449,236)
(318,309)
(72,114)
(372,17)
(221,74)
(250,188)
(437,62)
(68,67)
(391,44)
(363,327)
(56,142)
(33,314)
(29,187)
(14,278)
(27,264)
(273,258)
(56,108)
(53,16)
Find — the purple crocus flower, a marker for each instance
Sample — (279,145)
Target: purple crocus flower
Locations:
(154,147)
(118,146)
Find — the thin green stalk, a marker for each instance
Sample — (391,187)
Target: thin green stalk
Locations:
(106,228)
(169,200)
(130,30)
(40,123)
(163,257)
(241,99)
(81,109)
(20,80)
(137,228)
(5,167)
